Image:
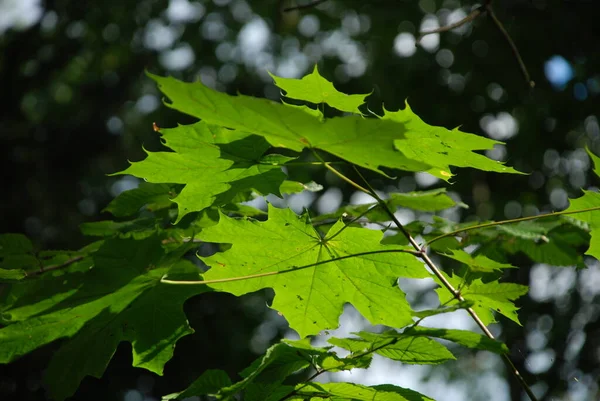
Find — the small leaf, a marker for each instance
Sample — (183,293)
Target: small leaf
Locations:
(12,244)
(398,347)
(316,89)
(429,201)
(462,337)
(478,263)
(356,392)
(589,200)
(12,275)
(490,296)
(128,203)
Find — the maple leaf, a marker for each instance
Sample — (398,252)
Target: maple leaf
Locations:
(215,164)
(316,89)
(312,276)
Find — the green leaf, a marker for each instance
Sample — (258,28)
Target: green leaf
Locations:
(442,148)
(136,229)
(592,218)
(396,346)
(14,244)
(12,275)
(463,337)
(209,383)
(595,161)
(443,309)
(153,196)
(429,201)
(478,263)
(98,308)
(312,277)
(486,296)
(294,187)
(213,162)
(292,127)
(316,89)
(355,392)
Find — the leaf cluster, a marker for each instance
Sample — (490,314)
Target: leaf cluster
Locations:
(131,283)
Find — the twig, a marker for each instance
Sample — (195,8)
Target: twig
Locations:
(474,14)
(304,6)
(55,267)
(486,8)
(512,46)
(517,220)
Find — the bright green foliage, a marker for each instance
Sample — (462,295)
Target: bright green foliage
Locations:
(316,89)
(399,347)
(589,200)
(213,162)
(463,337)
(355,392)
(442,148)
(121,288)
(316,276)
(97,304)
(479,263)
(486,296)
(421,146)
(428,201)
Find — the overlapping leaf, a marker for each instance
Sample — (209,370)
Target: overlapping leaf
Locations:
(262,380)
(355,392)
(398,347)
(478,263)
(312,277)
(592,218)
(442,148)
(316,89)
(488,297)
(153,196)
(214,163)
(119,299)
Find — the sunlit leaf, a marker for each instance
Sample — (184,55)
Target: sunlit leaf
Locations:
(316,89)
(312,276)
(213,162)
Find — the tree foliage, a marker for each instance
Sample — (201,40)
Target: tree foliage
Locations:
(131,284)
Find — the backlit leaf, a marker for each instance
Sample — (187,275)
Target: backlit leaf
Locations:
(312,277)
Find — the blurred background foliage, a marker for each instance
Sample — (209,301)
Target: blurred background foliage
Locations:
(76,105)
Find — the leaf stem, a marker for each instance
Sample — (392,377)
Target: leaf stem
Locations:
(340,175)
(293,269)
(517,220)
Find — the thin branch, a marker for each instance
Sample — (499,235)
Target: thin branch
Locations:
(486,8)
(55,267)
(304,6)
(517,220)
(512,45)
(474,14)
(455,293)
(293,269)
